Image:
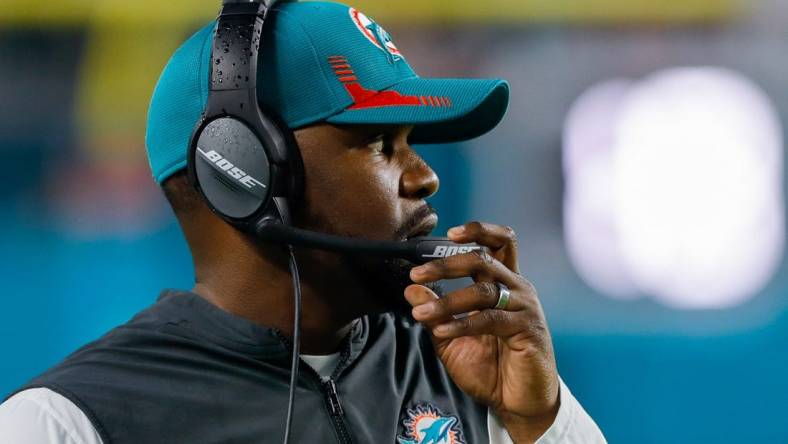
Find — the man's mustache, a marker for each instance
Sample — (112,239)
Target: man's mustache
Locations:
(414,220)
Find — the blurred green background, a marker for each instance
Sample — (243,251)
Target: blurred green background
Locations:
(641,163)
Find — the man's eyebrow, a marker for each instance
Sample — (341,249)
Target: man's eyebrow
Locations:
(363,134)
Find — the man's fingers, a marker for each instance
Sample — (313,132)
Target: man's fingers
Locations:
(502,240)
(494,322)
(474,298)
(478,264)
(419,296)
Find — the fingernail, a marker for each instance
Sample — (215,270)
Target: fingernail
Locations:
(442,329)
(416,271)
(424,310)
(457,231)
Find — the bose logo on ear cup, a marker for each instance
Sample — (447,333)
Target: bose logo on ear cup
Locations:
(445,251)
(231,170)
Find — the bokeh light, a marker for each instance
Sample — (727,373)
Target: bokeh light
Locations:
(674,188)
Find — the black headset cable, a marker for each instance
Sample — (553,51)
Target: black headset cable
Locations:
(296,342)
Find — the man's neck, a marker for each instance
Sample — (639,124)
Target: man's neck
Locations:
(263,293)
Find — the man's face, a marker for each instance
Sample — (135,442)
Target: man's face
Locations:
(366,182)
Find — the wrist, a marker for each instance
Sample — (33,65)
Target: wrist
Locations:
(528,429)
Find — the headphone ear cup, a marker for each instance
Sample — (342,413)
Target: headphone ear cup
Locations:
(231,168)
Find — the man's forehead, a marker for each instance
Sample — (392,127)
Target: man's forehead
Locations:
(354,132)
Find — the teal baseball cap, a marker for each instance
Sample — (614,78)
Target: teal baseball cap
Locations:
(322,62)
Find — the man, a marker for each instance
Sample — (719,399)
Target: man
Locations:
(212,365)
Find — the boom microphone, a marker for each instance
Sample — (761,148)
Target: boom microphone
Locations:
(418,250)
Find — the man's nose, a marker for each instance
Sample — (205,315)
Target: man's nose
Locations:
(418,181)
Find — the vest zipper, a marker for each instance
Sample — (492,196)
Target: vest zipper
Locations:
(329,388)
(337,414)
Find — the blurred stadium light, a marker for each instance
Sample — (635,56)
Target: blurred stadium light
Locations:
(589,203)
(674,187)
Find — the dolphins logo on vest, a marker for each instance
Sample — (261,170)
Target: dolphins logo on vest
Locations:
(426,424)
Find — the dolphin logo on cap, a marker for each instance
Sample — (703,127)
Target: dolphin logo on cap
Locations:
(375,34)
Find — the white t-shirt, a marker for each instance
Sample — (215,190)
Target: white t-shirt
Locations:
(41,416)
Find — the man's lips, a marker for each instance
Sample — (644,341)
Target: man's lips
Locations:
(425,226)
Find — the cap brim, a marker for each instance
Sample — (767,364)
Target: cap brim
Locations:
(441,110)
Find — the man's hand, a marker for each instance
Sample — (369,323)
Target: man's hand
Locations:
(501,357)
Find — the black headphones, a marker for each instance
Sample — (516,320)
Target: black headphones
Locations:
(243,159)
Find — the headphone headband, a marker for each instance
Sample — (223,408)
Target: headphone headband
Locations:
(236,47)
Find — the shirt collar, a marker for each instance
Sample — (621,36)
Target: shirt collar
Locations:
(194,315)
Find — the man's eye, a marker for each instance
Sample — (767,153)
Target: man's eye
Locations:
(378,143)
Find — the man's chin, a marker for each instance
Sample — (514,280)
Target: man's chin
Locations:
(386,279)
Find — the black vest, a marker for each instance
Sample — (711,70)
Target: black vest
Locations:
(185,371)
